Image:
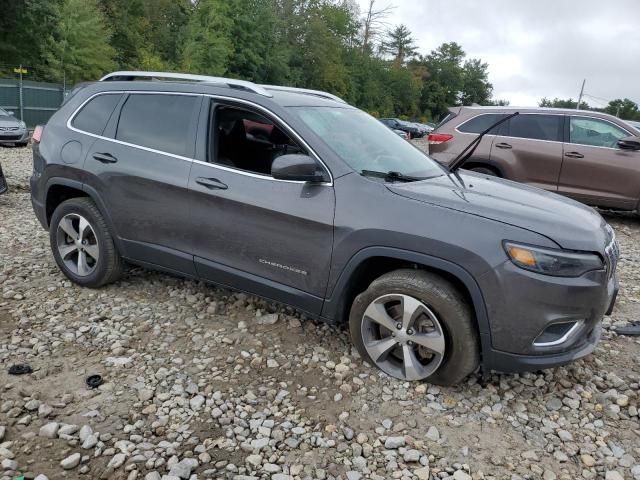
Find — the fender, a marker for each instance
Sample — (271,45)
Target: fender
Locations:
(93,195)
(334,306)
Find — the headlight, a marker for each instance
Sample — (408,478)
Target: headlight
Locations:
(23,125)
(546,261)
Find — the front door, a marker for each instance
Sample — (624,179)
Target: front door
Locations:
(269,237)
(594,171)
(140,168)
(529,149)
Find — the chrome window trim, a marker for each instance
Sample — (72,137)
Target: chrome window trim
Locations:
(268,112)
(577,115)
(508,136)
(562,339)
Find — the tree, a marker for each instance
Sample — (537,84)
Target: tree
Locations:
(445,80)
(79,48)
(563,103)
(625,109)
(400,44)
(372,25)
(475,85)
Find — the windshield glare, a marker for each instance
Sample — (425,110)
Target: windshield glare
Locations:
(366,144)
(3,113)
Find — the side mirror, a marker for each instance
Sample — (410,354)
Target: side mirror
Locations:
(297,167)
(629,143)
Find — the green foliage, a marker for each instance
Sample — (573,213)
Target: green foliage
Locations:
(78,47)
(321,44)
(625,109)
(563,103)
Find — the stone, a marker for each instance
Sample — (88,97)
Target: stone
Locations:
(116,461)
(460,475)
(71,462)
(613,475)
(423,473)
(50,430)
(152,476)
(433,434)
(183,468)
(254,460)
(394,442)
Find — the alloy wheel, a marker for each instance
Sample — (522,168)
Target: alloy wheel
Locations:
(403,337)
(77,244)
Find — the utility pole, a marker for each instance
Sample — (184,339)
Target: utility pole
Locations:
(581,94)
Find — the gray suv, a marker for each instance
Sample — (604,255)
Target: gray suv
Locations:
(296,196)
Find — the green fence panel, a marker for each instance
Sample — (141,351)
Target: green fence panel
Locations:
(39,99)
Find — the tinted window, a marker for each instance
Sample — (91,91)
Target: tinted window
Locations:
(537,127)
(480,123)
(94,115)
(161,122)
(591,131)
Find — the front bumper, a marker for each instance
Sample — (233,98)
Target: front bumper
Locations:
(522,305)
(11,137)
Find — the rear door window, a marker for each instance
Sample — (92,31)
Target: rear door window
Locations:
(594,132)
(159,121)
(93,117)
(536,127)
(480,123)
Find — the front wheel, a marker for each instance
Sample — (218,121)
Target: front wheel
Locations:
(415,325)
(82,244)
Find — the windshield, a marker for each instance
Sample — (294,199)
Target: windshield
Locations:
(366,144)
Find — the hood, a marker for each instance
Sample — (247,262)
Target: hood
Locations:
(9,121)
(568,223)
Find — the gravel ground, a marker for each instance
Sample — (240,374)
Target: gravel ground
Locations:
(204,383)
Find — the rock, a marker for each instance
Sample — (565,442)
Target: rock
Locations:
(3,432)
(50,430)
(152,476)
(354,475)
(72,461)
(281,476)
(613,475)
(183,468)
(412,456)
(90,442)
(423,473)
(196,402)
(588,460)
(116,461)
(269,319)
(549,475)
(433,434)
(254,460)
(394,442)
(8,464)
(41,477)
(85,431)
(554,404)
(68,429)
(461,475)
(565,436)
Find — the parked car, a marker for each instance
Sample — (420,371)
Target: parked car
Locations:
(12,130)
(589,156)
(397,124)
(401,134)
(3,182)
(322,208)
(634,124)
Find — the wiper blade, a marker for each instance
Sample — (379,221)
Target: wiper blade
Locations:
(391,176)
(468,151)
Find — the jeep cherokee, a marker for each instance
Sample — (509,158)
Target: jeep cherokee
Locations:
(296,196)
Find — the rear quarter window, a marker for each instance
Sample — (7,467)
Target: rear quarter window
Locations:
(93,117)
(481,122)
(161,122)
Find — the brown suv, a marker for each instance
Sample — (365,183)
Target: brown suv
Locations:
(590,156)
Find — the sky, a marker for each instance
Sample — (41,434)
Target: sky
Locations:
(536,48)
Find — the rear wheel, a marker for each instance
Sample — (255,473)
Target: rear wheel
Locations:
(415,325)
(82,245)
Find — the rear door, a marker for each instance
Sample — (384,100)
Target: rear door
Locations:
(140,168)
(529,149)
(594,171)
(249,230)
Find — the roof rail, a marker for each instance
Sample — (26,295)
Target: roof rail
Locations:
(306,91)
(230,82)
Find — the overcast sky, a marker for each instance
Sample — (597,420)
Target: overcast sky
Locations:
(535,49)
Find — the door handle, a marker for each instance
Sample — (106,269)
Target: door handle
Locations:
(503,145)
(574,155)
(211,183)
(105,157)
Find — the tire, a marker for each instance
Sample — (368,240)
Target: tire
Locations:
(444,303)
(95,241)
(485,171)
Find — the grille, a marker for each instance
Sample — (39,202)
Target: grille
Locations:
(8,129)
(10,137)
